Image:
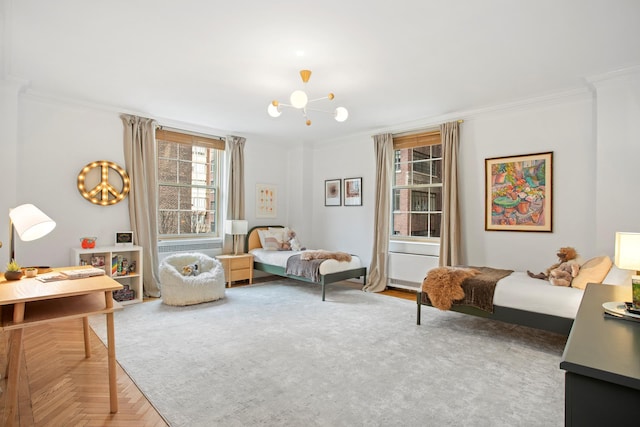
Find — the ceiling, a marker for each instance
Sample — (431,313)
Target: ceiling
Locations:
(218,64)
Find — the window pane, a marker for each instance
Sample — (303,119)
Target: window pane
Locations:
(187,197)
(417,193)
(167,170)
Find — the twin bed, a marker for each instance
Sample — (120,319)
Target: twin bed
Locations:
(275,262)
(535,303)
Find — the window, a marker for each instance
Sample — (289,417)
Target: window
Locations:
(417,186)
(188,184)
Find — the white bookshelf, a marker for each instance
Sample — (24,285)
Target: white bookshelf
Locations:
(123,273)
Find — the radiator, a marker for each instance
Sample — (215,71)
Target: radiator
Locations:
(409,269)
(210,247)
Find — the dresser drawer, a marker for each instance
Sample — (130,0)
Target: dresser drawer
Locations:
(241,263)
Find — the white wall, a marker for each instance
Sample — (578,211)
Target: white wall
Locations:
(56,141)
(595,137)
(562,126)
(618,134)
(344,228)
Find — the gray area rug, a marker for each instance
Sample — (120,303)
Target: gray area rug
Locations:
(274,354)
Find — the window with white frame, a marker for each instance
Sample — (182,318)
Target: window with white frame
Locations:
(417,187)
(189,169)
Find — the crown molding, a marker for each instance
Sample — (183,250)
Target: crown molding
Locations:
(612,75)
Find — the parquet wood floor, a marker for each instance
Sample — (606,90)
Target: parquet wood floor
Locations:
(60,387)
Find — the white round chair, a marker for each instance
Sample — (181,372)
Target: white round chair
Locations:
(178,289)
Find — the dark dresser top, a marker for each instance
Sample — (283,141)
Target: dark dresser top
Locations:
(604,348)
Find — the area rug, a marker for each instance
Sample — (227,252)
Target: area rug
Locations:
(274,354)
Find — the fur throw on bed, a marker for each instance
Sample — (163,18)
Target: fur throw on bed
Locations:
(321,254)
(443,285)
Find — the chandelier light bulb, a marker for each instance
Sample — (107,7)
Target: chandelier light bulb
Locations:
(273,109)
(298,99)
(341,114)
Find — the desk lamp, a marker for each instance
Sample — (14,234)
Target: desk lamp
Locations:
(236,227)
(627,257)
(30,223)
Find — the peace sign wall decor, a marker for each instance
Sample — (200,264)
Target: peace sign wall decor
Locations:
(96,183)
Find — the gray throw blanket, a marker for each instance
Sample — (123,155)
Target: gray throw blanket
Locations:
(478,289)
(308,269)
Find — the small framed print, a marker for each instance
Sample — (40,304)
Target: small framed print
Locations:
(353,191)
(124,238)
(332,190)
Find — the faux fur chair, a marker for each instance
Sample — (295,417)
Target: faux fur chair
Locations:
(178,289)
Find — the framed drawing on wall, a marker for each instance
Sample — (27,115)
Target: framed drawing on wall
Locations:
(353,191)
(332,192)
(266,201)
(518,193)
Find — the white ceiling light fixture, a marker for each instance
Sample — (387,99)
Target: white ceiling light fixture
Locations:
(299,100)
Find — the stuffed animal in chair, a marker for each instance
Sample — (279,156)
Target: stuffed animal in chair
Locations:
(190,270)
(562,272)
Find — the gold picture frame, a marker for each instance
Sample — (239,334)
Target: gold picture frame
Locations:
(518,193)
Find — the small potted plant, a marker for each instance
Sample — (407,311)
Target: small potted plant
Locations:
(13,271)
(31,272)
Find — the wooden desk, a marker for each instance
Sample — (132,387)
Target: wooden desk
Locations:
(602,360)
(29,302)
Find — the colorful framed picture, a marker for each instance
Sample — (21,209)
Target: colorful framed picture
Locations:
(266,201)
(353,191)
(518,193)
(332,192)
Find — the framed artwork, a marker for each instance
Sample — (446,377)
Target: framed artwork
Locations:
(124,238)
(332,192)
(518,193)
(353,191)
(266,201)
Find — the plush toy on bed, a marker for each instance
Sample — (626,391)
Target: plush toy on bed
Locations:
(190,270)
(291,243)
(562,272)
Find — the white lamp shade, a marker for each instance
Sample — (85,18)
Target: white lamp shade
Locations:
(341,114)
(627,252)
(236,226)
(30,222)
(298,99)
(273,110)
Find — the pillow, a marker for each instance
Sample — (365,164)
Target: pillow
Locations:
(618,276)
(272,240)
(592,271)
(278,233)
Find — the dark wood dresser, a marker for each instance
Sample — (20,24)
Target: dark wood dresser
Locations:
(602,363)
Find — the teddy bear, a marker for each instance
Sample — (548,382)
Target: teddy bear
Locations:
(190,270)
(562,272)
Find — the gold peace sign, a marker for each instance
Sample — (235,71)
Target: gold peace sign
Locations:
(104,193)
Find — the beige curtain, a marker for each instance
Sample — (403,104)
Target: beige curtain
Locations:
(235,187)
(450,250)
(140,162)
(377,278)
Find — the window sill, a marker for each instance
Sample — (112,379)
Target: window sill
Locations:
(412,247)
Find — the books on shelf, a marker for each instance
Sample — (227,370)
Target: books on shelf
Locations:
(621,310)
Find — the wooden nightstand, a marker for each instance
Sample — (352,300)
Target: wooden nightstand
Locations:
(237,267)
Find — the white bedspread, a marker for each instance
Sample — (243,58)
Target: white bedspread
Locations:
(279,258)
(520,291)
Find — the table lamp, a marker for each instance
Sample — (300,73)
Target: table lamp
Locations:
(30,223)
(236,227)
(627,257)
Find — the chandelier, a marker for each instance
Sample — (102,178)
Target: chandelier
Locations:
(301,101)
